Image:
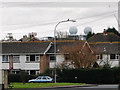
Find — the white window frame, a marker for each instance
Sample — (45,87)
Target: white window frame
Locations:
(37,56)
(37,72)
(14,61)
(5,56)
(52,59)
(99,57)
(28,56)
(117,55)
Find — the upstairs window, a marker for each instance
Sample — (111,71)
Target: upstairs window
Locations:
(27,58)
(16,58)
(37,58)
(32,58)
(112,56)
(117,56)
(99,57)
(5,58)
(52,57)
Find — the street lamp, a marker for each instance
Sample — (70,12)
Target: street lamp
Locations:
(55,43)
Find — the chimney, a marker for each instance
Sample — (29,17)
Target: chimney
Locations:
(105,32)
(24,38)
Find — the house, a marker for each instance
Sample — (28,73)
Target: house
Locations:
(36,56)
(28,56)
(33,57)
(107,47)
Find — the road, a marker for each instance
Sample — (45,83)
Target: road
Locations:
(98,87)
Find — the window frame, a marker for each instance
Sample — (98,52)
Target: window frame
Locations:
(5,61)
(53,56)
(37,56)
(28,56)
(14,61)
(111,57)
(99,57)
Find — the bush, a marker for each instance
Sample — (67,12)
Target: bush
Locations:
(18,78)
(90,76)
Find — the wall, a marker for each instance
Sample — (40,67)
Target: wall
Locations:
(59,58)
(44,63)
(106,59)
(22,65)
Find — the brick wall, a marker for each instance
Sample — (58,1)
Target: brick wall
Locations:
(44,63)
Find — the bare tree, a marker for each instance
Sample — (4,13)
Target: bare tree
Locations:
(61,34)
(81,56)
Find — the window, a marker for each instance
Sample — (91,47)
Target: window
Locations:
(16,58)
(32,72)
(66,57)
(112,56)
(32,58)
(27,58)
(52,57)
(99,56)
(5,58)
(117,56)
(37,58)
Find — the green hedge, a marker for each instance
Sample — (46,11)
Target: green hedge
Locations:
(101,76)
(90,76)
(19,78)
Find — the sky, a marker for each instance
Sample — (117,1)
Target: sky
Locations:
(21,17)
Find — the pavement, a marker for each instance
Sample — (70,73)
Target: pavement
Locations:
(71,86)
(76,87)
(57,87)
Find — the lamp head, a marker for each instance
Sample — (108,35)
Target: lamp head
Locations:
(71,20)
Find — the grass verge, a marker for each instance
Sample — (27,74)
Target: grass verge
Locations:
(42,85)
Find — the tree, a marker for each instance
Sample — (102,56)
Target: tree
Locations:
(61,34)
(113,30)
(90,34)
(80,56)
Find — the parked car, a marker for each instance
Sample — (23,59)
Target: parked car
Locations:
(41,79)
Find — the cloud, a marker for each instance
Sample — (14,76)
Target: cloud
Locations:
(28,17)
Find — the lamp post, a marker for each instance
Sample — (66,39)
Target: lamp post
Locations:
(55,43)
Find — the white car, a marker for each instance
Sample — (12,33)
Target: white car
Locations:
(41,79)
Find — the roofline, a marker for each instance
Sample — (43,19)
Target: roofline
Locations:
(26,42)
(88,46)
(102,33)
(20,53)
(101,42)
(69,41)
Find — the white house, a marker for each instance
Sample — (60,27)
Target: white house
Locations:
(107,47)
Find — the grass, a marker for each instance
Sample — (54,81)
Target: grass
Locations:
(42,85)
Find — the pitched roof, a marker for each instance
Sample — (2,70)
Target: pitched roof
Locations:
(110,48)
(61,43)
(100,37)
(110,42)
(24,47)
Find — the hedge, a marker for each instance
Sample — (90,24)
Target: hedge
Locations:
(90,76)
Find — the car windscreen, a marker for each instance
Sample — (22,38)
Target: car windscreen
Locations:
(39,77)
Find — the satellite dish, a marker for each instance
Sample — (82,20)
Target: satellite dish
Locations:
(73,30)
(87,30)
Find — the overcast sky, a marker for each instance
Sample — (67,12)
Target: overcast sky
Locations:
(25,16)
